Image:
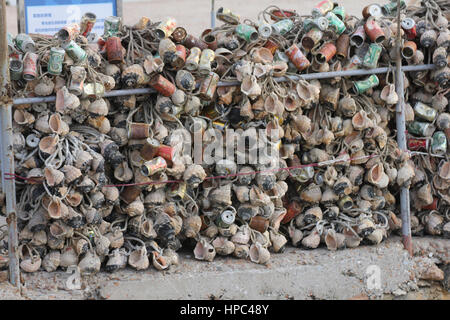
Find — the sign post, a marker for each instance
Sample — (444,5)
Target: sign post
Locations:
(49,16)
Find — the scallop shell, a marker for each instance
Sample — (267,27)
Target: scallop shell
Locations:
(90,264)
(222,195)
(351,239)
(98,108)
(389,95)
(148,231)
(312,240)
(424,194)
(361,121)
(279,68)
(444,171)
(56,209)
(42,125)
(23,117)
(376,176)
(223,246)
(259,254)
(31,264)
(57,125)
(83,160)
(66,101)
(192,226)
(101,123)
(261,55)
(138,259)
(204,250)
(433,223)
(194,175)
(135,208)
(376,236)
(68,257)
(123,172)
(334,240)
(250,86)
(311,194)
(178,97)
(102,244)
(330,176)
(53,177)
(49,144)
(74,198)
(405,174)
(115,238)
(134,75)
(51,261)
(329,196)
(71,173)
(159,261)
(278,241)
(108,81)
(44,87)
(111,194)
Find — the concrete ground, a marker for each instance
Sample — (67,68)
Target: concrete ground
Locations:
(294,274)
(195,15)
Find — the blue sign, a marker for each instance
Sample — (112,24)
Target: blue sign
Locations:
(48,16)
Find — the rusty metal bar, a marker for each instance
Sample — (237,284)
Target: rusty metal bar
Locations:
(333,74)
(9,187)
(401,138)
(108,94)
(310,76)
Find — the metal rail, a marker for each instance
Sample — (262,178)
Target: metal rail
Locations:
(213,15)
(401,139)
(7,151)
(108,94)
(310,76)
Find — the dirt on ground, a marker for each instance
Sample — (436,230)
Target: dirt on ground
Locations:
(294,274)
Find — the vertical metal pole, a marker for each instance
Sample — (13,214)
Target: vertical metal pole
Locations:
(9,187)
(401,139)
(119,6)
(213,15)
(21,22)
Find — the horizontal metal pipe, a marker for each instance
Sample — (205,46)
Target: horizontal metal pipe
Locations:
(310,76)
(118,93)
(34,100)
(108,94)
(333,74)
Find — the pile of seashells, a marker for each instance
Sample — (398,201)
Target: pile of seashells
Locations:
(106,180)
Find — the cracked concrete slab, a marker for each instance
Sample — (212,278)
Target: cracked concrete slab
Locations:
(294,274)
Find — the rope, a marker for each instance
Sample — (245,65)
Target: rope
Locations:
(318,164)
